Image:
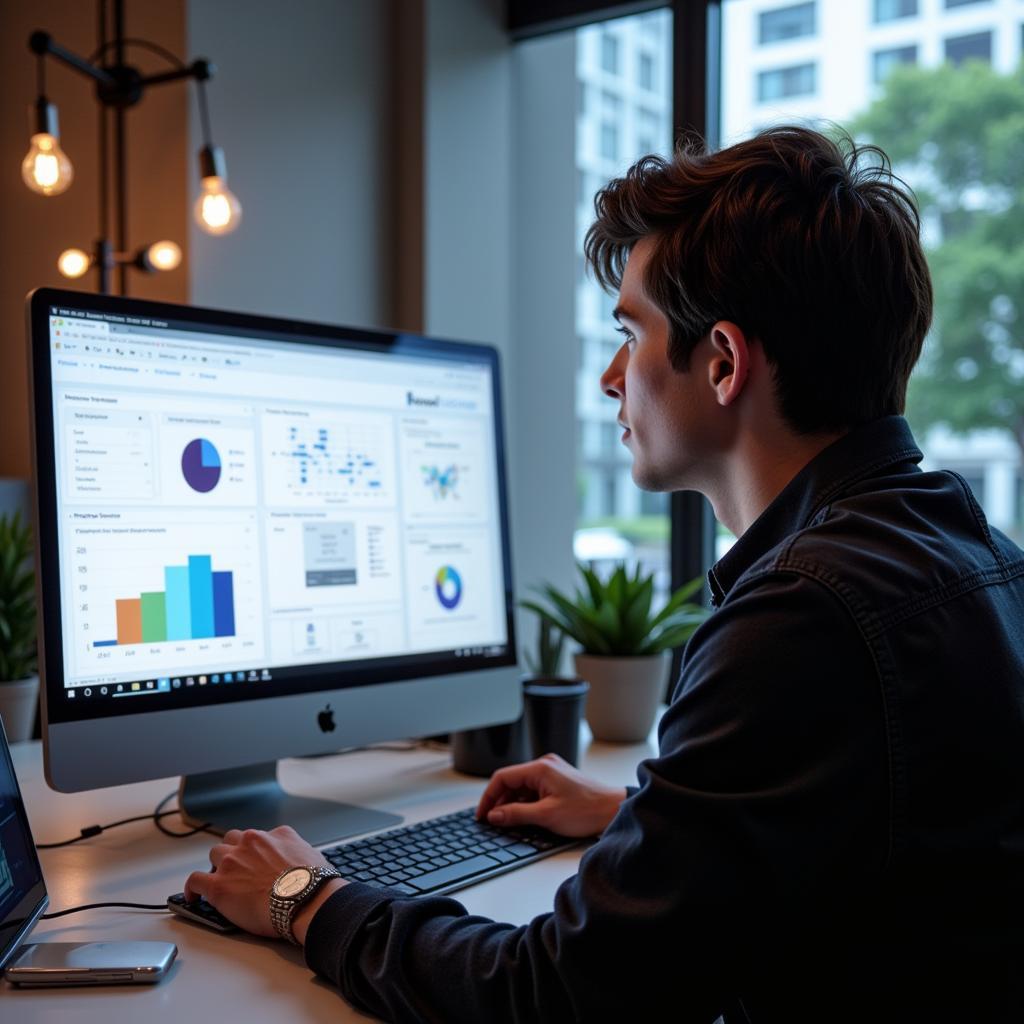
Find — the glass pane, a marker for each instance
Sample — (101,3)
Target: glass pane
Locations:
(938,86)
(626,65)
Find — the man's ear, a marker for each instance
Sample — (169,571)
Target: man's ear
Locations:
(729,363)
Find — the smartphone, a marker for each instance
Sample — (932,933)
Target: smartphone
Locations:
(91,963)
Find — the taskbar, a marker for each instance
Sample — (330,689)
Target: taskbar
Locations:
(165,684)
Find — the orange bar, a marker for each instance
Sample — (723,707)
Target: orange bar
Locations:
(129,621)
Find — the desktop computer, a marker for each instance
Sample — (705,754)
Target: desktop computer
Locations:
(261,538)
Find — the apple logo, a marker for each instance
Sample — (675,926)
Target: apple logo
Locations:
(325,719)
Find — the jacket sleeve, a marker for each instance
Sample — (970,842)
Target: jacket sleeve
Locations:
(769,788)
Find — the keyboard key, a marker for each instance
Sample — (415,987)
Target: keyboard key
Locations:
(433,879)
(521,850)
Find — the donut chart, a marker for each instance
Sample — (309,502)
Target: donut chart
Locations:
(448,587)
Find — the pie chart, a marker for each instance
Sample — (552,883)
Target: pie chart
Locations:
(200,465)
(448,587)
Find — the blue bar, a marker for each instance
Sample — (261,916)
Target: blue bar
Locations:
(179,605)
(104,643)
(200,591)
(223,604)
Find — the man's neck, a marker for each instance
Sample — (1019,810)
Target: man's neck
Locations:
(752,475)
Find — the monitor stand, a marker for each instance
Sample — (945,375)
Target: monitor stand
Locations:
(251,797)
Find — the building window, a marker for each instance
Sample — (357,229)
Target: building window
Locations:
(782,83)
(977,46)
(883,61)
(609,54)
(890,10)
(609,140)
(963,3)
(785,23)
(645,71)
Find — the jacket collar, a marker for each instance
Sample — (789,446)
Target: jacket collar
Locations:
(859,454)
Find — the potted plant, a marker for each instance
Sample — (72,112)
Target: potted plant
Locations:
(626,649)
(19,681)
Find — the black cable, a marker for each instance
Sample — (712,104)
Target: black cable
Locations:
(41,76)
(94,906)
(94,830)
(146,45)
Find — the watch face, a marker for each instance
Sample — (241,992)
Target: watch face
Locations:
(293,882)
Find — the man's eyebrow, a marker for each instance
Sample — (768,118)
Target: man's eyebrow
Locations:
(621,312)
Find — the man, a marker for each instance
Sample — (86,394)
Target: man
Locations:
(833,829)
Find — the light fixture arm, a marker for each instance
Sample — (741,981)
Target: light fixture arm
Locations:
(118,87)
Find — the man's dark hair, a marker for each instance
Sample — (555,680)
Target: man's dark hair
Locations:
(808,247)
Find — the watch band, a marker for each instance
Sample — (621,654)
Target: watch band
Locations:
(283,908)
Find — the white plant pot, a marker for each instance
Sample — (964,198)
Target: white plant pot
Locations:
(624,694)
(18,702)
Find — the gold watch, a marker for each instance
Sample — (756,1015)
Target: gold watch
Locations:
(293,887)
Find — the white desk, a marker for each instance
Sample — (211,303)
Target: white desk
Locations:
(234,977)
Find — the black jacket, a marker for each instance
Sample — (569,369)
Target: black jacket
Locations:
(834,827)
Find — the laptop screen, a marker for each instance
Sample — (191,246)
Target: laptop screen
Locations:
(22,891)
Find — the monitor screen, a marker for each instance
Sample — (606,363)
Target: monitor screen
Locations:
(233,508)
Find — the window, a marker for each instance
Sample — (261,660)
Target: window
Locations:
(782,83)
(609,53)
(609,141)
(645,71)
(624,119)
(785,23)
(883,61)
(890,10)
(977,46)
(963,3)
(610,440)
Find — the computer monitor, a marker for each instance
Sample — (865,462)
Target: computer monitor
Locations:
(261,538)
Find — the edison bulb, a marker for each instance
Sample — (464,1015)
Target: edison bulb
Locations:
(164,255)
(46,169)
(217,209)
(73,262)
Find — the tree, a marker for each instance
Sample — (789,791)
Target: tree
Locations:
(957,135)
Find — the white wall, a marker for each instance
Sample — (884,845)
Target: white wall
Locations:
(300,104)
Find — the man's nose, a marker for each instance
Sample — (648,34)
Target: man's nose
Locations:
(613,378)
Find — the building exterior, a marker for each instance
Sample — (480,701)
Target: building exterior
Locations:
(624,110)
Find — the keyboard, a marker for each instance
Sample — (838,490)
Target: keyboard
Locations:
(442,854)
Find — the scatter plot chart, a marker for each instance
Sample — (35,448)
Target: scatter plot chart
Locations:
(344,462)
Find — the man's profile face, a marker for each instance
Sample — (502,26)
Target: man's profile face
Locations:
(667,413)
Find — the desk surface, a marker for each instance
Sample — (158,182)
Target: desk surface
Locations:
(219,977)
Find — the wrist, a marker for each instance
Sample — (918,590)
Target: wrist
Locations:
(305,914)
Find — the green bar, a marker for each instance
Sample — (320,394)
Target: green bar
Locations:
(154,618)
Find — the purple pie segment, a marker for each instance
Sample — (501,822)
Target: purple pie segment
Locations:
(200,463)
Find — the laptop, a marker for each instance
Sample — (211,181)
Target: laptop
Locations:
(23,897)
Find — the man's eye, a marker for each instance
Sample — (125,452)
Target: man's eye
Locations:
(626,334)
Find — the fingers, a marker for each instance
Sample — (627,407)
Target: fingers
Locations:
(512,779)
(511,815)
(198,883)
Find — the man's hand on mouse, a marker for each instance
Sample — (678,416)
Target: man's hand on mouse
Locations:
(245,866)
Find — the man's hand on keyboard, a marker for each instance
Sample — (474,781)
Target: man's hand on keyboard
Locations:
(245,866)
(550,793)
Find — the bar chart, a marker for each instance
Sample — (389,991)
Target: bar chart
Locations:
(146,594)
(196,603)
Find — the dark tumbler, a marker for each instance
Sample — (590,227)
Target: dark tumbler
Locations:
(553,712)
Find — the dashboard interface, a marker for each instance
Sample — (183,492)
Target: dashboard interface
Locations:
(236,510)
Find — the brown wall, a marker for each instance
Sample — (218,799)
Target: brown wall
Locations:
(34,229)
